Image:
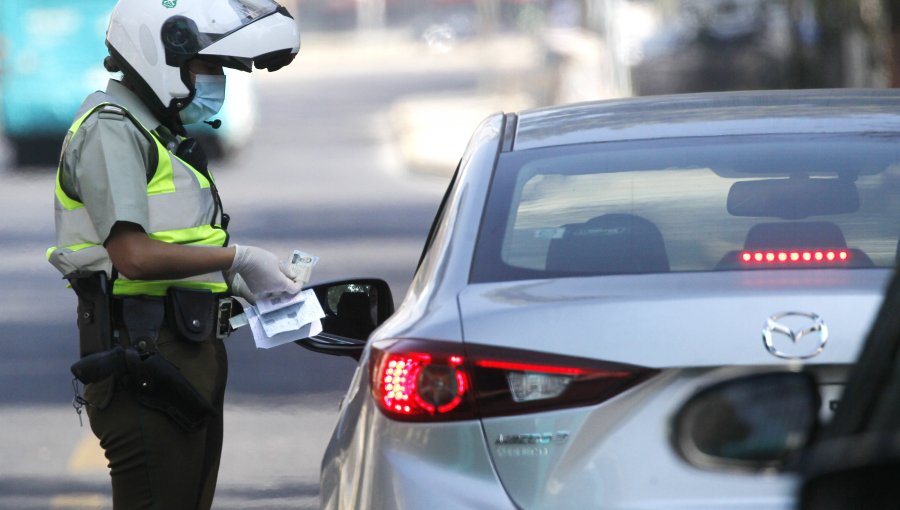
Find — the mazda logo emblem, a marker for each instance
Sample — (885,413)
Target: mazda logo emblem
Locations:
(806,331)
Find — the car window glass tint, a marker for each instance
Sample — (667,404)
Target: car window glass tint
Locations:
(706,204)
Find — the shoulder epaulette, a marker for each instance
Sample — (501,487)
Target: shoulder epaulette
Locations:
(112,112)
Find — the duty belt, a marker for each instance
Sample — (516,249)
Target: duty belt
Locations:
(143,316)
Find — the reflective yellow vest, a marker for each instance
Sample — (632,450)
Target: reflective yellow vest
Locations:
(182,211)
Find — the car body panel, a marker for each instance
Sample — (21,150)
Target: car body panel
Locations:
(616,454)
(716,318)
(714,114)
(444,270)
(380,463)
(607,461)
(366,447)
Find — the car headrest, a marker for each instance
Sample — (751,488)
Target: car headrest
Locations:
(796,235)
(609,244)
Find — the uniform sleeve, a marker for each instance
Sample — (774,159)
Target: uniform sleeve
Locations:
(110,172)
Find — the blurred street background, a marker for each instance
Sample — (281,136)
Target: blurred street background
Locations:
(345,154)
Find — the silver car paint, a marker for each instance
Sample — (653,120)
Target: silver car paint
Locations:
(684,321)
(445,269)
(672,320)
(386,464)
(618,446)
(374,462)
(609,462)
(688,115)
(612,464)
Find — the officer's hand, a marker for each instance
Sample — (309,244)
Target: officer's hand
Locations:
(261,273)
(239,288)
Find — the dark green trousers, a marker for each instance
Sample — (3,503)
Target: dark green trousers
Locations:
(153,462)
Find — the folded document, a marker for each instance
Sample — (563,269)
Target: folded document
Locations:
(284,318)
(283,325)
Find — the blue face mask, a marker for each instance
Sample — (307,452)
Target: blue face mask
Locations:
(208,98)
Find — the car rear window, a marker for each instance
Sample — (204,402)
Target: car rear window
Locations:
(698,204)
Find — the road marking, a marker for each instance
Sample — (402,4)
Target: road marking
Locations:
(88,456)
(79,501)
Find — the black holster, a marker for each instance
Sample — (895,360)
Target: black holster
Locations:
(140,368)
(160,385)
(94,312)
(155,381)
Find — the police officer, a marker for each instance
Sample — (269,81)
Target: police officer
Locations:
(141,236)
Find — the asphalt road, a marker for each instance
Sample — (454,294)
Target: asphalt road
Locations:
(322,173)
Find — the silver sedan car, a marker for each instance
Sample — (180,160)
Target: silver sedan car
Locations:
(589,268)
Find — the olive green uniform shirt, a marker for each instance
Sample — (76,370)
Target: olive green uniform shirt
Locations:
(105,164)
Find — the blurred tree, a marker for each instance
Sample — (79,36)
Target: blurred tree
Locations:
(845,43)
(893,10)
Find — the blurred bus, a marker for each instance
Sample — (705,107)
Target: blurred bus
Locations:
(51,57)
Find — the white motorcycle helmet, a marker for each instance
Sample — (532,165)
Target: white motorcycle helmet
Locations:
(150,41)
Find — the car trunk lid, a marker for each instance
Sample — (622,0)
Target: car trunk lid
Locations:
(690,329)
(678,320)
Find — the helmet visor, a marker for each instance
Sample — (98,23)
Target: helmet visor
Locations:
(186,34)
(226,16)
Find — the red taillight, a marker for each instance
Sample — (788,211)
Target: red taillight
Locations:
(416,383)
(791,257)
(418,380)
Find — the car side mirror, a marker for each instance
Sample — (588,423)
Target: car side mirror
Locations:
(353,309)
(750,423)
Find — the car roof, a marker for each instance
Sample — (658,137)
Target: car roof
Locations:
(711,114)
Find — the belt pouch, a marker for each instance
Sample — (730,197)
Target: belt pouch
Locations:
(143,317)
(94,316)
(191,312)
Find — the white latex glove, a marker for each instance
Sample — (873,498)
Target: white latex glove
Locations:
(259,273)
(239,288)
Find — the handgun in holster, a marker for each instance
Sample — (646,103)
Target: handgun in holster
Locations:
(94,312)
(154,380)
